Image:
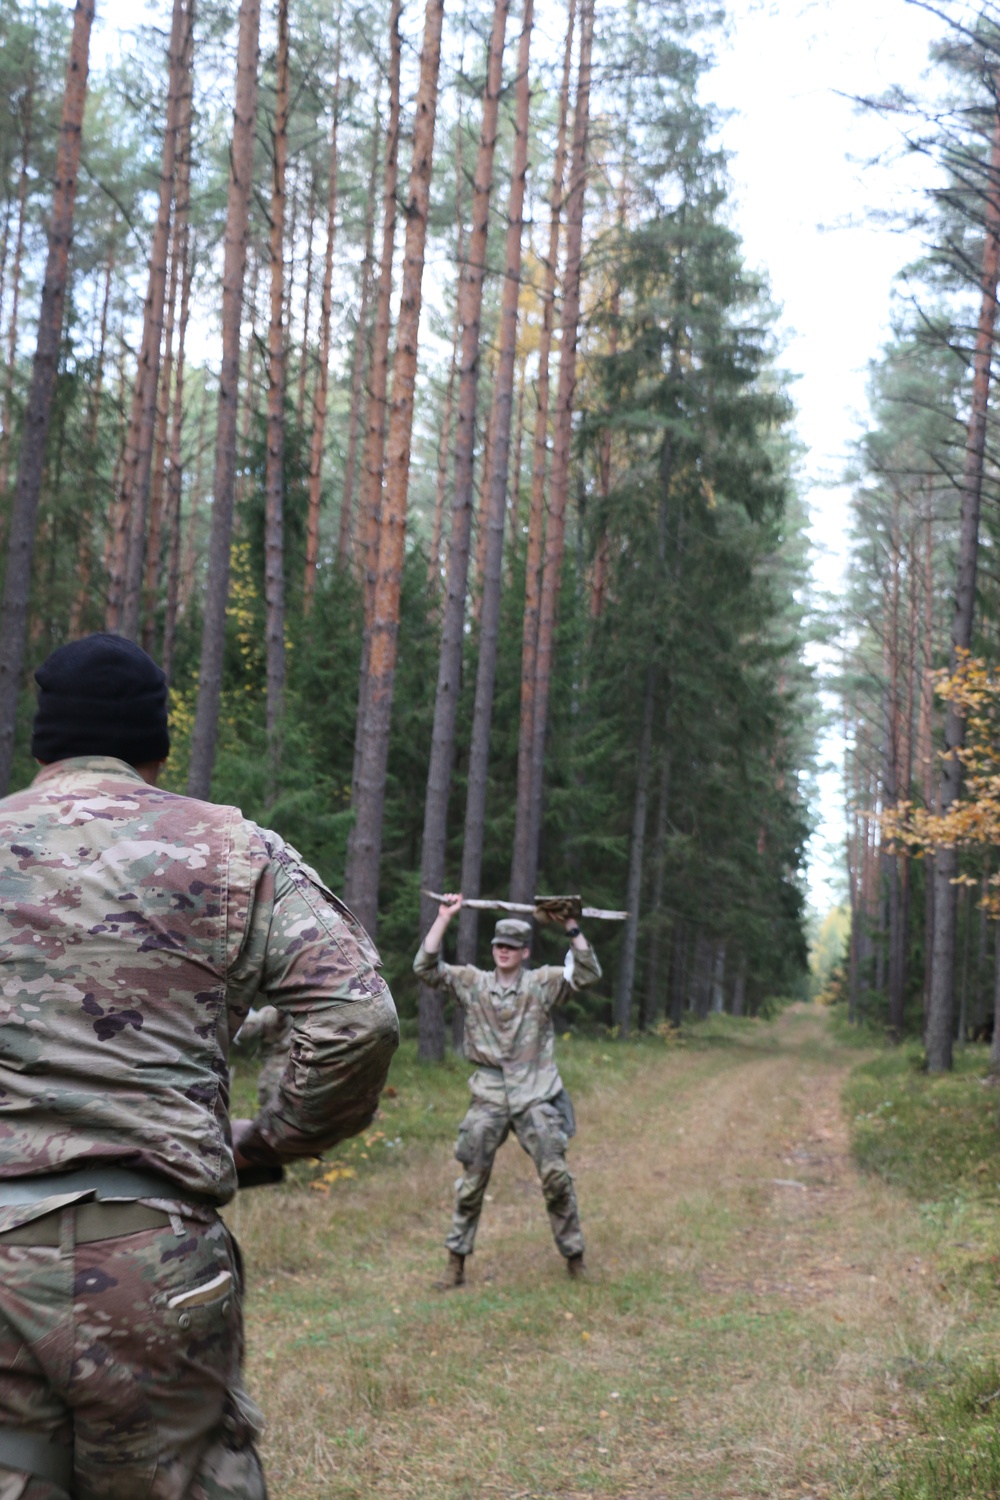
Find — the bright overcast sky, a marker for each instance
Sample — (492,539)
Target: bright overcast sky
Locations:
(804,194)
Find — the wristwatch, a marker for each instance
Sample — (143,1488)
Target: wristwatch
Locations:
(572,932)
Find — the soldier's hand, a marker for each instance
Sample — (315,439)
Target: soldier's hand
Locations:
(449,906)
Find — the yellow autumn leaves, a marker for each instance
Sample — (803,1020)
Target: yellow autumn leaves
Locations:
(973,820)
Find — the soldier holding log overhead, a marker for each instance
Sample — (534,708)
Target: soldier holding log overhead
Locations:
(516,1086)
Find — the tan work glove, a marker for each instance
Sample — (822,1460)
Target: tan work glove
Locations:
(558,909)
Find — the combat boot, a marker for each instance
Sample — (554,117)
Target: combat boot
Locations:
(575,1268)
(454,1275)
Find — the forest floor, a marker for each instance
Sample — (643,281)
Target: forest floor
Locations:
(760,1317)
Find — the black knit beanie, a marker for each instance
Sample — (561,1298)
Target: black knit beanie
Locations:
(101,696)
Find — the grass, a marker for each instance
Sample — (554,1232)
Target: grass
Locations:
(935,1138)
(730,1342)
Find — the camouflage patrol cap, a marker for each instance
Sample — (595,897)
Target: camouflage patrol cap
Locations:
(510,933)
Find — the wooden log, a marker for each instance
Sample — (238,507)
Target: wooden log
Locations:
(516,906)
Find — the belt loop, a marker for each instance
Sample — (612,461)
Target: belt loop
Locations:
(67,1232)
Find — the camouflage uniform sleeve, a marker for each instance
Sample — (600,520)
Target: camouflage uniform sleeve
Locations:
(430,968)
(314,961)
(579,970)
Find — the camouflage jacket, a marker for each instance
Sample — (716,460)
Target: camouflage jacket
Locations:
(508,1028)
(136,929)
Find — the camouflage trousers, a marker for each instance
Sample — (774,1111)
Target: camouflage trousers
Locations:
(542,1132)
(126,1352)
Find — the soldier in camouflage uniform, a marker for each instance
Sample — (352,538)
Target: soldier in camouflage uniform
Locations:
(267,1031)
(136,929)
(516,1086)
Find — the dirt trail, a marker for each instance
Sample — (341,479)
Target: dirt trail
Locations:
(751,1302)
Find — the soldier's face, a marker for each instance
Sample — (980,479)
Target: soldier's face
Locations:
(507,959)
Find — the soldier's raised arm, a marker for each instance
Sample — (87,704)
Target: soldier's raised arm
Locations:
(580,968)
(428,964)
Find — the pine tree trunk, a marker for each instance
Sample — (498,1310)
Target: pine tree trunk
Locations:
(300,405)
(175,474)
(444,445)
(633,898)
(926,751)
(740,989)
(345,537)
(365,847)
(995,1043)
(38,413)
(274,469)
(563,422)
(449,681)
(678,972)
(373,457)
(323,373)
(525,852)
(139,442)
(719,977)
(175,463)
(939,1026)
(6,419)
(206,725)
(654,978)
(82,599)
(189,561)
(494,506)
(443,456)
(482,526)
(152,571)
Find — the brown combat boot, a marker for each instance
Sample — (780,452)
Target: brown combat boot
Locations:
(454,1275)
(575,1268)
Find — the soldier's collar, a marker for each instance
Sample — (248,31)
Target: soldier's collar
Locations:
(104,765)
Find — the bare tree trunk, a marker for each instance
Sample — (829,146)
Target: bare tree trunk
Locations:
(636,848)
(562,428)
(435,833)
(494,505)
(300,405)
(740,989)
(206,724)
(13,324)
(995,1044)
(719,977)
(514,497)
(678,972)
(654,978)
(249,384)
(939,1027)
(175,475)
(444,445)
(140,439)
(38,414)
(174,462)
(525,852)
(345,537)
(82,600)
(365,847)
(179,239)
(189,561)
(274,472)
(323,374)
(373,459)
